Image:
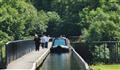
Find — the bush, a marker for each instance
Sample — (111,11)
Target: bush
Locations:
(100,53)
(3,39)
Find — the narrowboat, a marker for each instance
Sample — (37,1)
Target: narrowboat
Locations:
(60,45)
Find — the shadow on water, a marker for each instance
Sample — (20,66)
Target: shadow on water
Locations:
(63,61)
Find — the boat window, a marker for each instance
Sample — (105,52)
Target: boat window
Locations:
(59,41)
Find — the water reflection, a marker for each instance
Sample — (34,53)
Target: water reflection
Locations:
(64,61)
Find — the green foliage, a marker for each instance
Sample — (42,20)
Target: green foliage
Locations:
(101,53)
(3,38)
(19,19)
(101,26)
(53,23)
(67,11)
(40,23)
(79,15)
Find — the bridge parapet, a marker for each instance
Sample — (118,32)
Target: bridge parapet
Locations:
(81,62)
(16,49)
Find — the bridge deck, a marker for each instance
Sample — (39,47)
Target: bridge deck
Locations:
(26,61)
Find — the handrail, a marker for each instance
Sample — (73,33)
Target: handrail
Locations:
(16,49)
(81,59)
(105,41)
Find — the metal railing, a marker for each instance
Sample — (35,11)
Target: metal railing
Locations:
(113,53)
(16,49)
(109,50)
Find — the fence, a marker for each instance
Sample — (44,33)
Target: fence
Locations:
(99,51)
(104,51)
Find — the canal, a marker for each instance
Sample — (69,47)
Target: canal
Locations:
(64,61)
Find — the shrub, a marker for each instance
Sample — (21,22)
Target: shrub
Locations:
(100,53)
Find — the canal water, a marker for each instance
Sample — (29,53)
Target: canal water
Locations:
(64,61)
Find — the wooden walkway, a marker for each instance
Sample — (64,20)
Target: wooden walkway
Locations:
(27,61)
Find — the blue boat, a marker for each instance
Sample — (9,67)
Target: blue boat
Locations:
(60,45)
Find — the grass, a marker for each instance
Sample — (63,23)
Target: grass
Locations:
(106,67)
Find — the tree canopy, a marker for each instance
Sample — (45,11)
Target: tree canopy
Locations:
(18,18)
(94,19)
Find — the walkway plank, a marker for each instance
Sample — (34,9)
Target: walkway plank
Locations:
(26,61)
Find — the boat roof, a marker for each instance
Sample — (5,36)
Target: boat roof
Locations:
(59,41)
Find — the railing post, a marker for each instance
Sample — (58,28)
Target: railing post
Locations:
(117,52)
(118,47)
(6,58)
(104,51)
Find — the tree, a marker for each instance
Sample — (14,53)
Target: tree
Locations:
(4,38)
(18,18)
(53,23)
(41,22)
(101,24)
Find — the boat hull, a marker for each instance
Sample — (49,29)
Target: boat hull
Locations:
(59,49)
